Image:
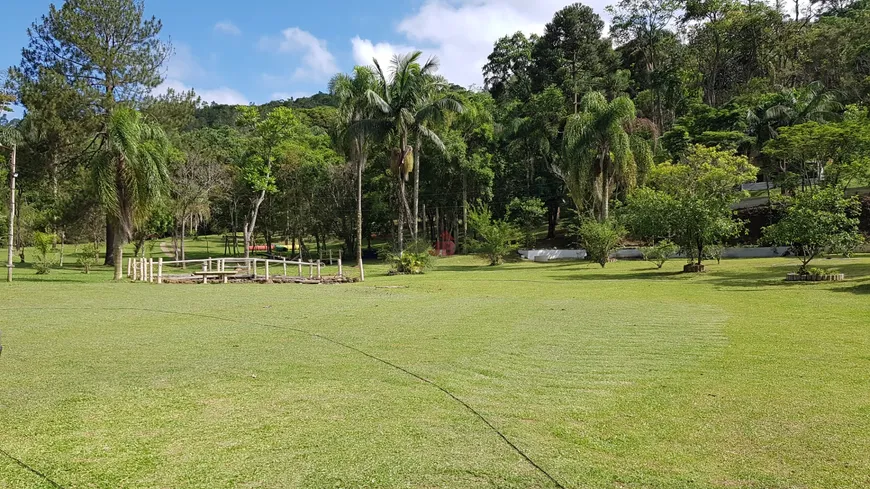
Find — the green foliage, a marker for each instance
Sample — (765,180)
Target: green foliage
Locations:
(600,239)
(660,252)
(493,239)
(690,202)
(89,254)
(816,221)
(417,257)
(527,215)
(45,257)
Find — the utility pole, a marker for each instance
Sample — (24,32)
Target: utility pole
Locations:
(10,245)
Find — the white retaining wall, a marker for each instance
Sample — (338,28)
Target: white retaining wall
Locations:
(635,253)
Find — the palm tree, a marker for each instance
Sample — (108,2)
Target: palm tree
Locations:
(600,151)
(404,103)
(131,173)
(354,105)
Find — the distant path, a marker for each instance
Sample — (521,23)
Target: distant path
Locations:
(166,248)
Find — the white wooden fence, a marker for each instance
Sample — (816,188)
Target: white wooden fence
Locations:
(143,269)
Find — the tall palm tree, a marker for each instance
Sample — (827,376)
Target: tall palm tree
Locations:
(600,151)
(404,103)
(431,110)
(352,93)
(131,173)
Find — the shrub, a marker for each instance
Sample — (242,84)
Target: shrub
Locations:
(414,260)
(660,253)
(600,239)
(88,257)
(44,255)
(494,239)
(714,252)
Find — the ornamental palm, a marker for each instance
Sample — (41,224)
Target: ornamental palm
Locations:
(404,102)
(131,173)
(352,93)
(600,151)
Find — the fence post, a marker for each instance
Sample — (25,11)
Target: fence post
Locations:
(144,275)
(285,266)
(267,270)
(151,270)
(160,270)
(204,276)
(310,270)
(319,263)
(135,269)
(209,264)
(340,270)
(330,257)
(255,268)
(300,266)
(129,267)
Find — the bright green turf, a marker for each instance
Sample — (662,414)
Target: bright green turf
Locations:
(629,377)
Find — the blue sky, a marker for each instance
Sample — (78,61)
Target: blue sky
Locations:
(260,50)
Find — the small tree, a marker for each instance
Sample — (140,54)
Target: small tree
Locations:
(690,202)
(815,221)
(495,239)
(527,214)
(44,255)
(660,253)
(600,239)
(88,257)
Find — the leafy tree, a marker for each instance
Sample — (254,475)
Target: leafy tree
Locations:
(816,221)
(690,202)
(572,54)
(527,215)
(105,52)
(600,239)
(266,134)
(508,72)
(44,255)
(131,175)
(600,153)
(494,239)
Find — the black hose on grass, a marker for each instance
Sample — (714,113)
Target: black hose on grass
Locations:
(501,435)
(31,469)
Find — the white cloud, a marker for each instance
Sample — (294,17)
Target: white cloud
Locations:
(227,27)
(462,32)
(364,51)
(318,62)
(183,72)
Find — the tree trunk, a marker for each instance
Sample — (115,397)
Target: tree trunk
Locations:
(400,241)
(417,160)
(110,243)
(251,222)
(183,252)
(119,252)
(464,210)
(359,220)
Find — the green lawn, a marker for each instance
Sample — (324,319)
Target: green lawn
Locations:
(628,377)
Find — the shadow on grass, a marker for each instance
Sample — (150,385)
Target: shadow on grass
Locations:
(602,274)
(774,276)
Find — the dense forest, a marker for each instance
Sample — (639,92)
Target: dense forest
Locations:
(675,110)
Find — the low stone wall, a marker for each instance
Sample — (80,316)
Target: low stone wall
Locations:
(635,253)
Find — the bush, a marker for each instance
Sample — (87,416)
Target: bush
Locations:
(415,260)
(660,253)
(816,221)
(495,239)
(88,257)
(714,252)
(44,255)
(600,239)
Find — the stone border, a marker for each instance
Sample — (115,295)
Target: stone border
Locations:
(798,277)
